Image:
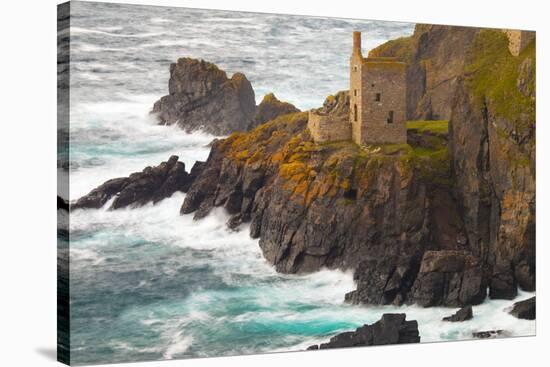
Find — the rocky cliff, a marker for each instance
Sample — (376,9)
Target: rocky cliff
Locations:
(150,185)
(390,329)
(469,76)
(436,57)
(435,221)
(269,108)
(492,145)
(375,209)
(201,96)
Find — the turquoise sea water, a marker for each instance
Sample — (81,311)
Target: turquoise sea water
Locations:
(150,284)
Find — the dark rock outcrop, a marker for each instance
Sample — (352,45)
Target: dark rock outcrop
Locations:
(450,278)
(384,281)
(436,56)
(337,106)
(201,96)
(492,145)
(465,313)
(390,329)
(150,185)
(62,203)
(467,75)
(489,334)
(432,222)
(271,108)
(525,309)
(338,206)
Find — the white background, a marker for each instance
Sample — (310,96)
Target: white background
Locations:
(28,181)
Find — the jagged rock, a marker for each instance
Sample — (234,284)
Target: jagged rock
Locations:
(493,155)
(436,231)
(490,334)
(492,146)
(202,97)
(385,280)
(200,195)
(436,56)
(525,309)
(465,313)
(336,105)
(503,283)
(101,194)
(270,108)
(62,203)
(448,278)
(196,170)
(151,185)
(390,329)
(315,206)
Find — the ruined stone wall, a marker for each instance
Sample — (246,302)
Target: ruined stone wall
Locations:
(355,94)
(325,128)
(383,100)
(518,40)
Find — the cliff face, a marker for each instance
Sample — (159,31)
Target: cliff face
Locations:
(153,184)
(390,329)
(269,108)
(492,135)
(338,205)
(435,222)
(435,57)
(201,96)
(469,76)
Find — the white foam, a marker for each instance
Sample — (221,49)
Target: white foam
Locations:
(129,120)
(180,343)
(79,30)
(161,20)
(85,254)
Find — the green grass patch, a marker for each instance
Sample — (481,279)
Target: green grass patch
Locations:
(402,48)
(433,126)
(493,77)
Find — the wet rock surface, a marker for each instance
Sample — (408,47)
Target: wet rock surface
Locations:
(390,329)
(490,334)
(468,76)
(202,97)
(315,206)
(526,310)
(433,222)
(449,278)
(464,314)
(270,108)
(150,185)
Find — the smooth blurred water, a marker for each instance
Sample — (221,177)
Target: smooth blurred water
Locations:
(150,284)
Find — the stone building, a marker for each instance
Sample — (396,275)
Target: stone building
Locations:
(377,103)
(331,122)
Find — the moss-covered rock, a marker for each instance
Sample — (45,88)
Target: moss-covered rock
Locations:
(507,82)
(492,145)
(270,108)
(469,76)
(332,204)
(435,56)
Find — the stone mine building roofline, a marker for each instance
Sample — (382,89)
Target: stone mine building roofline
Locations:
(381,59)
(389,62)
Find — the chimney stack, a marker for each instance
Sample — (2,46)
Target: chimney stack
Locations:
(357,42)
